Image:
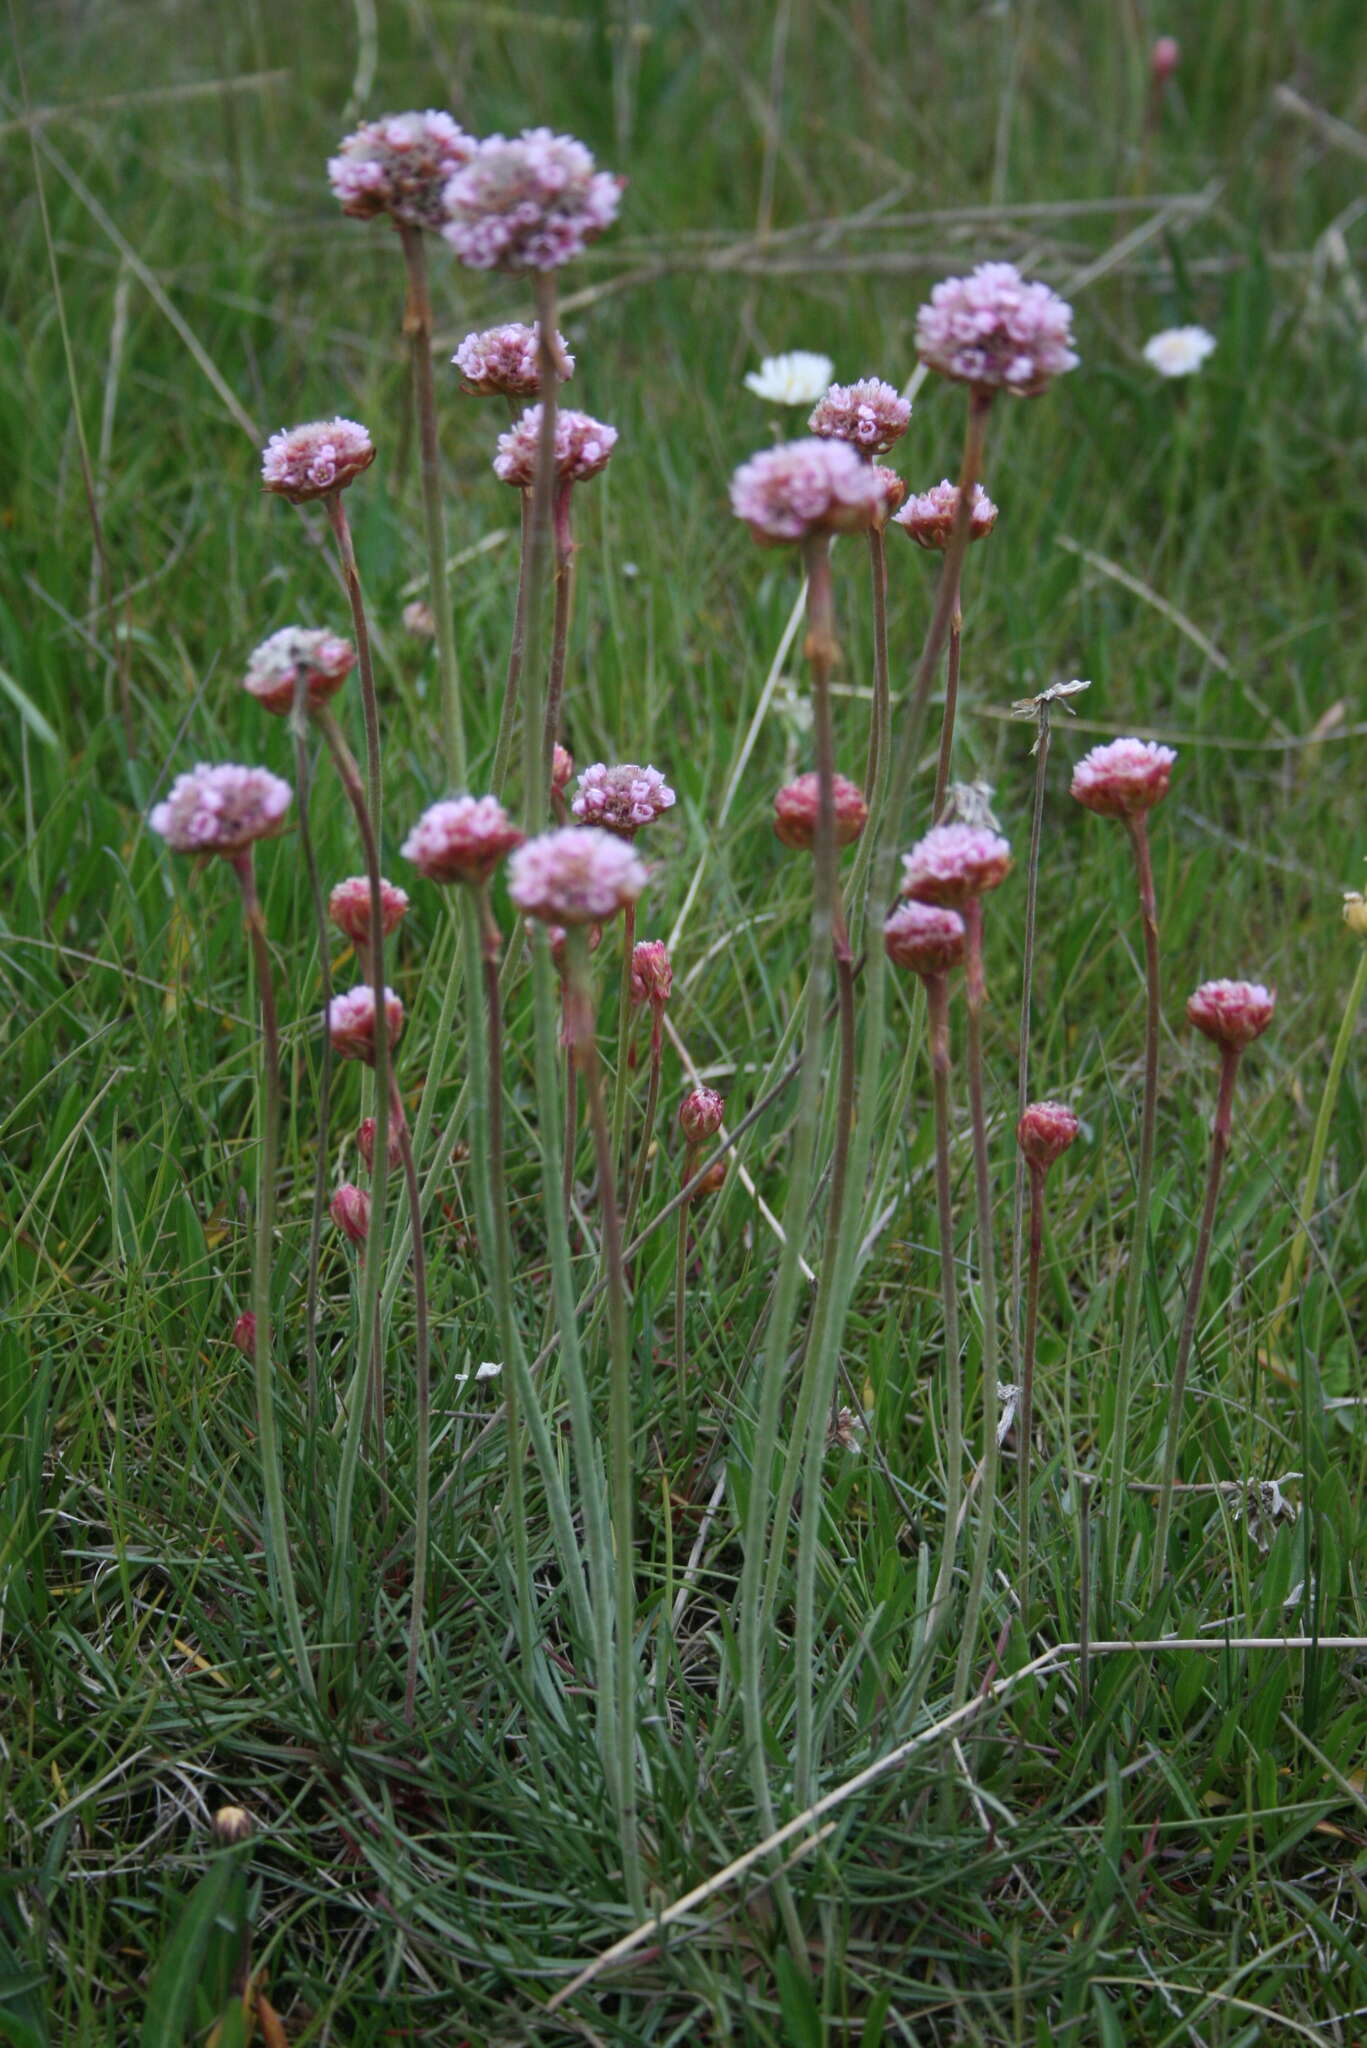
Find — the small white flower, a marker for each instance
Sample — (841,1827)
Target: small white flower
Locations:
(1178,351)
(799,378)
(482,1372)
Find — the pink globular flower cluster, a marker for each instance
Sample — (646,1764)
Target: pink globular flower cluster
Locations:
(462,839)
(322,660)
(995,330)
(928,518)
(1124,778)
(652,976)
(575,875)
(351,1022)
(1045,1132)
(349,907)
(582,448)
(1232,1013)
(924,938)
(869,415)
(221,810)
(807,487)
(400,165)
(955,863)
(621,799)
(350,1211)
(300,463)
(528,203)
(701,1114)
(505,362)
(797,808)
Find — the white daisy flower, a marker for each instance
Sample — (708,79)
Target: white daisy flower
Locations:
(799,378)
(1178,351)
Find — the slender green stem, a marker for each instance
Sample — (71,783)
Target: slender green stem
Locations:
(1319,1143)
(303,776)
(535,777)
(560,625)
(680,1286)
(1026,1422)
(937,1012)
(643,1143)
(619,1083)
(880,721)
(422,1377)
(417,323)
(945,763)
(1026,1010)
(508,717)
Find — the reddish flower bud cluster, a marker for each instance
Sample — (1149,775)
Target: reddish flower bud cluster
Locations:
(1045,1132)
(652,976)
(700,1114)
(349,907)
(798,806)
(1232,1013)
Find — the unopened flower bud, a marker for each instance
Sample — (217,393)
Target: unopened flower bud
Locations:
(232,1824)
(562,767)
(924,938)
(349,908)
(365,1142)
(351,1022)
(244,1333)
(1164,59)
(652,976)
(700,1114)
(1045,1132)
(798,805)
(350,1211)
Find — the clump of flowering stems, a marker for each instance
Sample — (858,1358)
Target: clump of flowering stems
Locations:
(928,519)
(224,811)
(1231,1014)
(1043,1135)
(701,1115)
(652,983)
(1124,780)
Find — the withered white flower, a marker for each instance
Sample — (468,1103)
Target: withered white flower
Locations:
(798,378)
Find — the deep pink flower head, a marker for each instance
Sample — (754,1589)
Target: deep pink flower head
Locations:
(350,1211)
(997,331)
(462,839)
(575,876)
(929,518)
(306,462)
(244,1333)
(955,863)
(562,767)
(805,487)
(504,362)
(351,1022)
(924,938)
(621,799)
(221,810)
(1233,1013)
(323,659)
(1164,59)
(528,204)
(870,415)
(365,1142)
(400,165)
(582,448)
(700,1114)
(1123,778)
(797,805)
(652,976)
(1045,1132)
(349,907)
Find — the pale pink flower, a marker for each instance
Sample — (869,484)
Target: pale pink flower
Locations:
(582,448)
(351,1022)
(955,863)
(806,487)
(400,165)
(221,810)
(504,362)
(350,1211)
(652,976)
(365,1141)
(529,203)
(1045,1132)
(349,907)
(418,619)
(621,799)
(1233,1013)
(870,415)
(322,659)
(928,519)
(798,804)
(462,839)
(1123,778)
(311,461)
(701,1114)
(994,330)
(924,938)
(575,875)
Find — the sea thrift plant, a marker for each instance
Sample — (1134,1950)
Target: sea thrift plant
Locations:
(575,876)
(995,330)
(621,799)
(583,447)
(295,656)
(351,1022)
(1043,1133)
(701,1114)
(505,362)
(400,165)
(923,938)
(462,839)
(349,908)
(531,202)
(222,810)
(1231,1013)
(313,461)
(870,415)
(804,488)
(797,806)
(928,517)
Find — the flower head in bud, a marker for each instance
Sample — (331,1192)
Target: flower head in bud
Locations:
(232,1824)
(462,839)
(700,1114)
(929,518)
(652,976)
(311,461)
(894,490)
(365,1142)
(504,362)
(529,203)
(1124,778)
(582,448)
(798,805)
(575,876)
(321,661)
(806,487)
(955,863)
(562,767)
(400,165)
(351,1022)
(1045,1132)
(349,908)
(924,938)
(221,810)
(621,799)
(995,330)
(244,1333)
(350,1211)
(870,415)
(1233,1013)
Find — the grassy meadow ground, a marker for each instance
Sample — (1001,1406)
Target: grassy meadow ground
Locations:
(1179,1859)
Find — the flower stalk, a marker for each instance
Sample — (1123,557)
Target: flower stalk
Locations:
(417,322)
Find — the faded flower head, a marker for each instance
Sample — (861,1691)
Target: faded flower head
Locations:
(232,1824)
(1045,1132)
(798,805)
(806,487)
(221,810)
(529,203)
(582,448)
(349,907)
(400,165)
(365,1141)
(700,1114)
(323,660)
(1178,351)
(924,938)
(575,876)
(955,863)
(1233,1013)
(351,1022)
(462,839)
(652,976)
(1124,778)
(798,378)
(1355,912)
(504,362)
(306,462)
(928,519)
(350,1211)
(870,415)
(997,331)
(621,799)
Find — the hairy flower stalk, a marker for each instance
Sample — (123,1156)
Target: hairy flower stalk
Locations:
(1044,1132)
(701,1115)
(929,521)
(422,1381)
(652,981)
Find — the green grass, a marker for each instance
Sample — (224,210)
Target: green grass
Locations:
(1176,1859)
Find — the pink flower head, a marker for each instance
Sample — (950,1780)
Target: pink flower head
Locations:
(929,518)
(870,415)
(504,362)
(462,839)
(562,767)
(221,810)
(924,938)
(306,462)
(798,804)
(1045,1132)
(530,203)
(997,331)
(621,799)
(365,1142)
(349,907)
(700,1114)
(244,1333)
(575,876)
(1164,59)
(350,1211)
(894,490)
(806,487)
(323,660)
(582,448)
(652,977)
(351,1022)
(1233,1013)
(955,863)
(418,619)
(1123,778)
(400,165)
